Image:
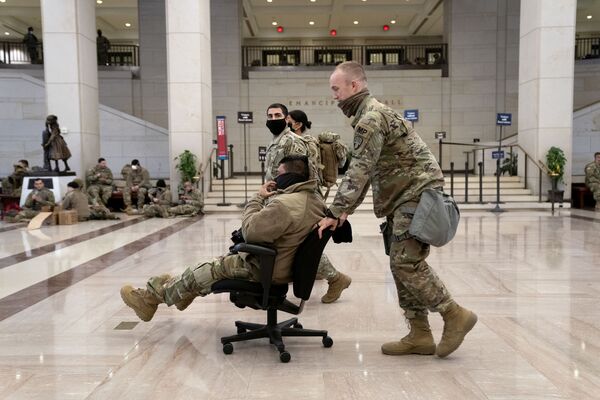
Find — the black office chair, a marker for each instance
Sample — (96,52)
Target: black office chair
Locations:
(272,297)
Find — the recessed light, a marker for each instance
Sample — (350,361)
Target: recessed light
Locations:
(269,1)
(6,33)
(99,1)
(2,1)
(274,23)
(311,22)
(127,24)
(313,1)
(589,17)
(393,21)
(355,22)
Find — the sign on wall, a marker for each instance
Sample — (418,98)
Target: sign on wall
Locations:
(498,154)
(221,139)
(245,117)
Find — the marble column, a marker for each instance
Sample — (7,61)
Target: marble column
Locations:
(546,68)
(189,80)
(71,76)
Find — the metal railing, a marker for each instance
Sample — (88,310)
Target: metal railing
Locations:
(401,56)
(12,52)
(586,48)
(475,163)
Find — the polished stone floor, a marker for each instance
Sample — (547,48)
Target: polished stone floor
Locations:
(533,279)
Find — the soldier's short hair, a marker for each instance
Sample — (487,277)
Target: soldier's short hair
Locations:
(135,162)
(161,183)
(353,70)
(101,159)
(279,105)
(24,162)
(296,164)
(596,154)
(73,185)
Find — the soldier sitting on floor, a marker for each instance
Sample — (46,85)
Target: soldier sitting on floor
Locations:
(39,197)
(160,198)
(190,201)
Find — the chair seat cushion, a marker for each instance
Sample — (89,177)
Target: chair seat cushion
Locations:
(238,285)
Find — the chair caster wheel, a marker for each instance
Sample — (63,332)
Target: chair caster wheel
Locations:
(285,357)
(327,341)
(227,348)
(297,325)
(241,330)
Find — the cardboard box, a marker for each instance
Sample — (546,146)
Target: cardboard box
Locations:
(68,217)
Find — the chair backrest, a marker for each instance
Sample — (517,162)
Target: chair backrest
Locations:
(306,263)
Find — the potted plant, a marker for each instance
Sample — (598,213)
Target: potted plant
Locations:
(510,165)
(186,166)
(555,161)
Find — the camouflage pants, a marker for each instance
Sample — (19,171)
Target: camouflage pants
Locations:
(595,191)
(141,197)
(26,213)
(156,210)
(198,280)
(326,270)
(101,212)
(184,209)
(419,288)
(100,192)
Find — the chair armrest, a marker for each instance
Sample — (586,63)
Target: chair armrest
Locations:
(255,249)
(266,257)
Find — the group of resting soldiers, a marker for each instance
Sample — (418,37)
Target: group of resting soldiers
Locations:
(92,203)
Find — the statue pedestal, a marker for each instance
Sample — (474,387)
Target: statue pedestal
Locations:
(55,181)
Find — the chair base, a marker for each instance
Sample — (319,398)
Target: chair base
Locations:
(274,331)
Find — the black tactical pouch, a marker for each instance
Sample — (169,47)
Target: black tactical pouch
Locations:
(386,231)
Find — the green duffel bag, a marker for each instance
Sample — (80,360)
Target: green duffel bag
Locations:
(435,219)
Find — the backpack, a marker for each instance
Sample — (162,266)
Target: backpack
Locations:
(333,155)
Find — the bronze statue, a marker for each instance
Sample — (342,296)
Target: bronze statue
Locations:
(55,147)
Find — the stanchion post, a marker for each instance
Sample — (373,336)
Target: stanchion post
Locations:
(452,178)
(466,181)
(480,181)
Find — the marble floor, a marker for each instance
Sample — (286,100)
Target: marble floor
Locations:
(532,277)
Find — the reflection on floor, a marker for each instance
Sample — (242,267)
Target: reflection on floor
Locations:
(533,279)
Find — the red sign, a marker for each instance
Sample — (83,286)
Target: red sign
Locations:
(221,139)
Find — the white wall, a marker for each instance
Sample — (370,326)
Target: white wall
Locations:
(122,137)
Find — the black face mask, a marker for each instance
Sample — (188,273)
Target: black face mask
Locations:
(276,126)
(288,179)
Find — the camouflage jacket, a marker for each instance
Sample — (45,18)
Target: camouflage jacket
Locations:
(46,199)
(288,143)
(105,178)
(163,196)
(139,177)
(388,155)
(194,198)
(592,174)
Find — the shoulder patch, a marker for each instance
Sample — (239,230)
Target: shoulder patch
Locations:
(362,134)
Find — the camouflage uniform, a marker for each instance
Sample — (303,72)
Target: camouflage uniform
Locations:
(392,158)
(286,144)
(12,184)
(99,187)
(592,180)
(161,207)
(78,201)
(99,211)
(137,177)
(191,203)
(32,207)
(283,221)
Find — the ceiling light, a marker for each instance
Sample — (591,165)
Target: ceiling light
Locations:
(311,22)
(355,22)
(393,21)
(2,1)
(6,33)
(274,23)
(589,17)
(99,1)
(127,24)
(269,1)
(312,1)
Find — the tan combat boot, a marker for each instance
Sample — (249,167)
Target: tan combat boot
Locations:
(336,286)
(418,341)
(458,322)
(141,301)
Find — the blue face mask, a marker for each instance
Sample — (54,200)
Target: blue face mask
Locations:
(288,179)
